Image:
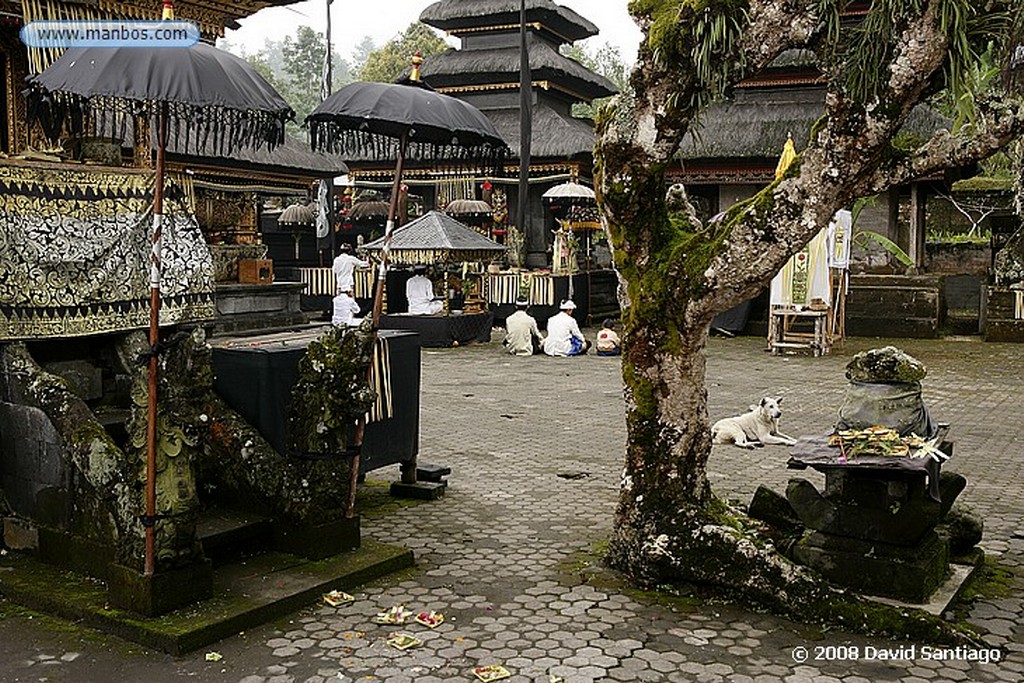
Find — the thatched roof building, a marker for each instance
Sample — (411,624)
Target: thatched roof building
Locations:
(739,141)
(733,151)
(456,71)
(485,72)
(460,16)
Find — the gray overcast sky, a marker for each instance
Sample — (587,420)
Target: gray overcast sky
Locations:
(382,20)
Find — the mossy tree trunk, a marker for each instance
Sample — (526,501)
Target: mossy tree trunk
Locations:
(676,274)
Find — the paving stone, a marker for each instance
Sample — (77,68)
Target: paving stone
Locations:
(492,554)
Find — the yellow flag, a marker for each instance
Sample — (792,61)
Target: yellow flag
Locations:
(788,155)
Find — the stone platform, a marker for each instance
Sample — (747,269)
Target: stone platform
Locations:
(246,593)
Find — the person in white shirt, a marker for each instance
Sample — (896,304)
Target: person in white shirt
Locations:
(419,291)
(345,310)
(344,267)
(608,342)
(523,338)
(564,336)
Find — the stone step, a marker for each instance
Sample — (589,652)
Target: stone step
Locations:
(228,535)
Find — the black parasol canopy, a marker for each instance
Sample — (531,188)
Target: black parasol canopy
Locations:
(395,121)
(209,95)
(372,117)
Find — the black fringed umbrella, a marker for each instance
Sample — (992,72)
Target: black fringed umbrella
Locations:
(401,120)
(202,95)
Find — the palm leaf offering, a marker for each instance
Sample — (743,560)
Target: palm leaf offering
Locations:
(884,442)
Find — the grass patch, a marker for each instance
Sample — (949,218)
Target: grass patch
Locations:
(991,581)
(374,500)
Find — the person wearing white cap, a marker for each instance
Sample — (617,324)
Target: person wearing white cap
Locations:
(523,337)
(344,267)
(419,291)
(564,336)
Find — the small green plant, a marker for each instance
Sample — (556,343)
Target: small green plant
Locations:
(863,237)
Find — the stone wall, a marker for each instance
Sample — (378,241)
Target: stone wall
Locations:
(895,306)
(958,258)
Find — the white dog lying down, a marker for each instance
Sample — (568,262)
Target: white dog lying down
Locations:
(757,428)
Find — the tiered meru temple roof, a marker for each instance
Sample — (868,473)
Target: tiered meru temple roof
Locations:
(485,71)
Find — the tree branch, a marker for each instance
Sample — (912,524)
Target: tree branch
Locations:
(1000,121)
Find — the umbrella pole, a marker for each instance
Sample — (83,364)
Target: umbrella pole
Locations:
(154,338)
(408,470)
(378,297)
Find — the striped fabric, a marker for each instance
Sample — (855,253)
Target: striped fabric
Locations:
(321,282)
(380,381)
(504,288)
(318,281)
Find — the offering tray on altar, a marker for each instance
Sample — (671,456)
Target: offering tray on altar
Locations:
(826,453)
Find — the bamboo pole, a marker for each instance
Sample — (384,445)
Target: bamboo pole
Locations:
(154,338)
(408,473)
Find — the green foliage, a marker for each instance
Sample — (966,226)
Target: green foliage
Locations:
(332,390)
(863,237)
(606,61)
(387,64)
(294,66)
(696,34)
(303,62)
(862,60)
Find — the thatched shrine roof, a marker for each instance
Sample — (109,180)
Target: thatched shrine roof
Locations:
(755,125)
(435,237)
(453,68)
(453,15)
(294,157)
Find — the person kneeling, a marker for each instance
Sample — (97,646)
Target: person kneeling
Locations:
(608,343)
(345,310)
(523,337)
(419,291)
(564,336)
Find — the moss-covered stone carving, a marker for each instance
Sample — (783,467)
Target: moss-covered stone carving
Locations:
(885,365)
(332,391)
(180,432)
(104,507)
(311,485)
(200,442)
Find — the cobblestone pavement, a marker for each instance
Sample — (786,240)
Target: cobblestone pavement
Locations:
(504,554)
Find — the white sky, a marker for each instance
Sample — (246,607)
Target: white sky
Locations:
(383,20)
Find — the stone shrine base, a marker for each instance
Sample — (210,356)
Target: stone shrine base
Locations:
(910,573)
(246,593)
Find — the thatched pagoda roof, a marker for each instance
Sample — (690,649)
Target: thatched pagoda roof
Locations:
(554,135)
(294,157)
(453,68)
(456,15)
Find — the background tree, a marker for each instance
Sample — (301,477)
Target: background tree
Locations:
(361,52)
(386,64)
(606,61)
(303,61)
(294,67)
(677,274)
